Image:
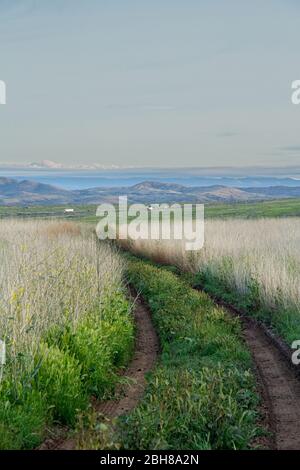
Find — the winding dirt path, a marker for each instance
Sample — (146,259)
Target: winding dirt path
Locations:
(278,381)
(280,384)
(146,351)
(127,395)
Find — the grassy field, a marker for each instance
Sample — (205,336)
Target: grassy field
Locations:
(253,264)
(87,213)
(255,210)
(66,323)
(68,328)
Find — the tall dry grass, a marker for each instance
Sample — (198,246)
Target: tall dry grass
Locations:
(51,273)
(261,254)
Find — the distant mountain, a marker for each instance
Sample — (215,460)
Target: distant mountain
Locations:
(26,192)
(276,191)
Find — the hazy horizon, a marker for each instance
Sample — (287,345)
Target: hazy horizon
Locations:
(271,170)
(121,177)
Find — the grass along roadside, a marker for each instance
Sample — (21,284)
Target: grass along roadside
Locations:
(202,394)
(251,264)
(66,322)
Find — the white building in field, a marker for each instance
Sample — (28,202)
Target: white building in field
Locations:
(69,211)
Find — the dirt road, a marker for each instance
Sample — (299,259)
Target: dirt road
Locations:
(280,385)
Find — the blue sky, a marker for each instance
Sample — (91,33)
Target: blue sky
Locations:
(167,82)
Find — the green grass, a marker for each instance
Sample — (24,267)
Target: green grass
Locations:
(22,421)
(255,210)
(69,367)
(87,213)
(283,320)
(202,393)
(102,344)
(59,381)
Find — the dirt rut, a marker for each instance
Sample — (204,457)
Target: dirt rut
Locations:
(280,385)
(278,380)
(128,395)
(146,351)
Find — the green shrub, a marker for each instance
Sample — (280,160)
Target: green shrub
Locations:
(118,328)
(92,351)
(102,343)
(69,366)
(22,422)
(59,379)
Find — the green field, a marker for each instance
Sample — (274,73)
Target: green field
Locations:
(278,208)
(87,213)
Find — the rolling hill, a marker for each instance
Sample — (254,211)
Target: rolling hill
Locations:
(27,192)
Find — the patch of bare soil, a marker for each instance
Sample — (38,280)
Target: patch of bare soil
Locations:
(146,351)
(281,387)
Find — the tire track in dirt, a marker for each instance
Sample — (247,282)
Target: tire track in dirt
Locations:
(281,387)
(278,380)
(146,351)
(127,395)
